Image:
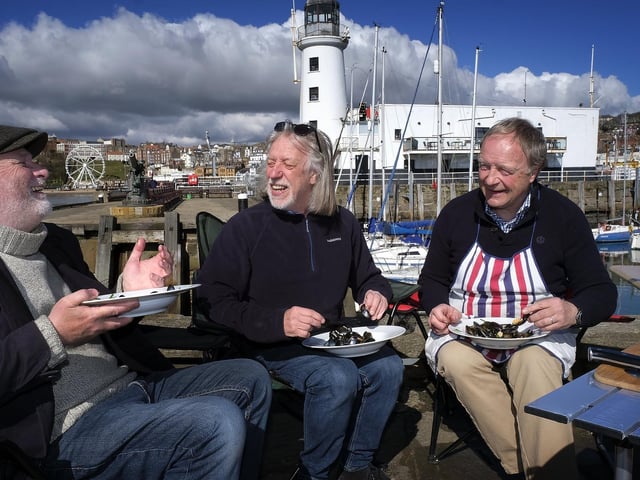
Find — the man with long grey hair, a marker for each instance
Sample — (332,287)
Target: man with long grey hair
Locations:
(279,271)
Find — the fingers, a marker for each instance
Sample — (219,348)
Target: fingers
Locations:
(115,310)
(165,259)
(441,317)
(301,322)
(551,314)
(376,304)
(79,296)
(439,324)
(138,250)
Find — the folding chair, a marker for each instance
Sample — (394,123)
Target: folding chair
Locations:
(208,226)
(405,301)
(202,335)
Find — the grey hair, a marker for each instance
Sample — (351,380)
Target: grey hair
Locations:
(531,140)
(319,161)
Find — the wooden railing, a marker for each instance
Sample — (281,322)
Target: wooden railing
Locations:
(115,241)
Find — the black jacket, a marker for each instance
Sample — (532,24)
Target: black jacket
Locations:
(26,393)
(563,245)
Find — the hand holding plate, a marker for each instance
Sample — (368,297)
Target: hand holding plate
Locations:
(77,324)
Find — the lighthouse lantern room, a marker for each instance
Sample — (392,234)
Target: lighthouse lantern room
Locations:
(323,93)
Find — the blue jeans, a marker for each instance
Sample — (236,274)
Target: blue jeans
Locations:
(347,402)
(191,423)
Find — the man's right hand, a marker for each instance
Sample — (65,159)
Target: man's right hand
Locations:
(300,322)
(77,324)
(441,316)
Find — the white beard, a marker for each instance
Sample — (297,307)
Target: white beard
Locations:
(24,214)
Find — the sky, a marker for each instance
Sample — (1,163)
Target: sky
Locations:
(167,71)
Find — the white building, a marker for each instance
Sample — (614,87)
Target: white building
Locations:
(571,133)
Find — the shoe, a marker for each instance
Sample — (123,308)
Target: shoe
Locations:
(370,473)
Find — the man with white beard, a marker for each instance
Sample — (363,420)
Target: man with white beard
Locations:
(82,392)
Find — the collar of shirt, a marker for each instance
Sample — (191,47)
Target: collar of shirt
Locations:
(507,226)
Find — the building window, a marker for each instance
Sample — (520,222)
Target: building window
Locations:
(397,134)
(314,64)
(480,133)
(314,94)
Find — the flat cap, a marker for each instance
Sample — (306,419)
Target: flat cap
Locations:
(15,138)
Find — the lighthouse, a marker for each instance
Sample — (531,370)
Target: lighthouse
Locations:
(323,92)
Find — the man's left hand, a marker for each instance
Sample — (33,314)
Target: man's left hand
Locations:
(552,314)
(150,273)
(376,304)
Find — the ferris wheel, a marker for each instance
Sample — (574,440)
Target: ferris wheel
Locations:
(85,167)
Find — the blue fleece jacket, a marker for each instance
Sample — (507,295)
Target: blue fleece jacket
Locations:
(267,260)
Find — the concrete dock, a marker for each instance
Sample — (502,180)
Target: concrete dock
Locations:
(406,442)
(631,273)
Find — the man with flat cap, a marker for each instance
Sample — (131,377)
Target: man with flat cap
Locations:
(82,393)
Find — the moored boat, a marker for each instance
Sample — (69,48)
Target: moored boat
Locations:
(613,232)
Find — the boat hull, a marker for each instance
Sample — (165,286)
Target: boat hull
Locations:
(613,233)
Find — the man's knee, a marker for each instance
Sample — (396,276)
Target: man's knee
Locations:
(456,358)
(341,378)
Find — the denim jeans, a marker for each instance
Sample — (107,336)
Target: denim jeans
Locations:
(206,421)
(347,402)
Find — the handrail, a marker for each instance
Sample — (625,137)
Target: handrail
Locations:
(546,176)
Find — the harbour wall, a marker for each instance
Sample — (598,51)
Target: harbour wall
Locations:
(599,199)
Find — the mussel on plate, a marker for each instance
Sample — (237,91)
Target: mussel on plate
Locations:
(344,335)
(489,329)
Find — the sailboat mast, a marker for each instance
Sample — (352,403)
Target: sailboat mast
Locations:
(372,120)
(383,153)
(473,120)
(294,30)
(591,88)
(624,163)
(439,73)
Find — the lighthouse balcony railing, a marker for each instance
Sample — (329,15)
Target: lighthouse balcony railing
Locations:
(322,29)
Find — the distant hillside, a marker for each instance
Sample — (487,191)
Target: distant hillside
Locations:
(611,131)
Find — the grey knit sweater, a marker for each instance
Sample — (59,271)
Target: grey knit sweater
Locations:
(89,373)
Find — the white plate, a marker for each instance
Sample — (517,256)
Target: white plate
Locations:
(381,335)
(497,343)
(152,300)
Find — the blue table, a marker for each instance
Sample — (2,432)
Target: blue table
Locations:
(602,409)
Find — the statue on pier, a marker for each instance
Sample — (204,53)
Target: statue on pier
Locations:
(137,181)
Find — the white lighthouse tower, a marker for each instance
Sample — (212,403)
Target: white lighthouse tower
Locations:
(323,92)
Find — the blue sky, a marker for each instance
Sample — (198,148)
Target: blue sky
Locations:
(140,68)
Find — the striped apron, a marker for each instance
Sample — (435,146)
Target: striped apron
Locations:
(489,286)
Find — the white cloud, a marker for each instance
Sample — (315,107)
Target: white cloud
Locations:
(145,79)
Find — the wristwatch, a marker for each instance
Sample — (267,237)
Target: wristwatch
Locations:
(579,318)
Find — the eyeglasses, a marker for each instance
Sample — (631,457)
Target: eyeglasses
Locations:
(300,129)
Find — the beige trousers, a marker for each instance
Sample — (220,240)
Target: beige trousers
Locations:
(495,397)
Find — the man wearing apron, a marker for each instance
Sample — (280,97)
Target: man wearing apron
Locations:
(511,248)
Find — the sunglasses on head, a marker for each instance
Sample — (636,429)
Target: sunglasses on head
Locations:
(300,129)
